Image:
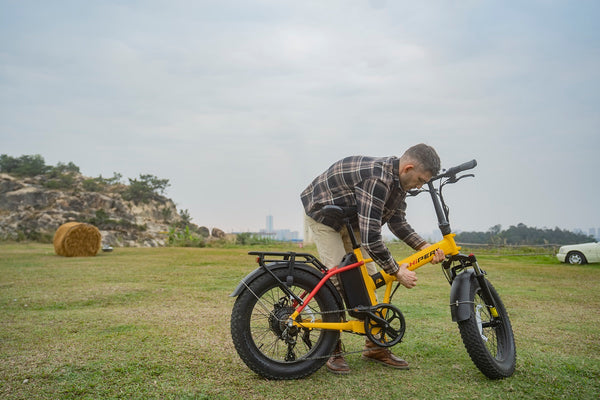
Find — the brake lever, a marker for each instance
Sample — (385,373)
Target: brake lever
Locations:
(463,176)
(415,192)
(454,179)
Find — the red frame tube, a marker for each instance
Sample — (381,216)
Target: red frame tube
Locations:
(333,271)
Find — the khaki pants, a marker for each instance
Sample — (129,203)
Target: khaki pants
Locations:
(333,246)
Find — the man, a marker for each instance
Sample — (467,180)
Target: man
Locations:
(377,187)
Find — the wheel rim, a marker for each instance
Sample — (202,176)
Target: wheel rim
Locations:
(575,258)
(269,330)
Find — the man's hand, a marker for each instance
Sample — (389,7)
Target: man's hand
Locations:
(406,277)
(438,256)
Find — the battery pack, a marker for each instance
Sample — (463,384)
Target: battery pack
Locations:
(353,285)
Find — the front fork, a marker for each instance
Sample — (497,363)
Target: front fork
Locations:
(460,301)
(486,294)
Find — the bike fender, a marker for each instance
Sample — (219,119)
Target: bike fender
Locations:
(284,265)
(249,278)
(460,302)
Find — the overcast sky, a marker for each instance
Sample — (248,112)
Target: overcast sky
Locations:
(240,104)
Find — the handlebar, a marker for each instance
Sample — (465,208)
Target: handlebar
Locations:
(455,170)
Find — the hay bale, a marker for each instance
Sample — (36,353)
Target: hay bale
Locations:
(76,239)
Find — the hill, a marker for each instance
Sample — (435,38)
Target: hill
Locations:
(31,209)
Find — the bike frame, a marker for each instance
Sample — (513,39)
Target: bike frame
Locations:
(447,244)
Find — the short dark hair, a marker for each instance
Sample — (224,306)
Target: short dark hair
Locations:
(425,156)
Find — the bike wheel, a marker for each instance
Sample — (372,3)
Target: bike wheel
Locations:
(258,327)
(489,340)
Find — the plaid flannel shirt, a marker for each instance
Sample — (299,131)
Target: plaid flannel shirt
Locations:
(373,186)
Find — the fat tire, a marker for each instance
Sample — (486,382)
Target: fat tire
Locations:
(497,359)
(245,339)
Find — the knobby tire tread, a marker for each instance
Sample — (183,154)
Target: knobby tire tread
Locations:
(479,353)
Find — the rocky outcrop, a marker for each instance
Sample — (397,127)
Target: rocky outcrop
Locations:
(29,210)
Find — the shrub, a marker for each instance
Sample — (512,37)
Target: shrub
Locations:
(101,220)
(247,238)
(93,185)
(61,181)
(184,238)
(100,184)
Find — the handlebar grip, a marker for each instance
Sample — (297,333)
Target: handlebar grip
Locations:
(459,168)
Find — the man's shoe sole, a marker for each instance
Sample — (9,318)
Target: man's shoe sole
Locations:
(337,371)
(403,367)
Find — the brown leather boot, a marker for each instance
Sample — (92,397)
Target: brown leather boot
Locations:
(382,355)
(336,363)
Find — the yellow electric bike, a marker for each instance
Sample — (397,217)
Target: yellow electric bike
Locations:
(288,315)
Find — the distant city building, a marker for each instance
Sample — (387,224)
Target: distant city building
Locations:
(284,235)
(593,232)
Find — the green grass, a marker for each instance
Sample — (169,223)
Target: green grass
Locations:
(154,324)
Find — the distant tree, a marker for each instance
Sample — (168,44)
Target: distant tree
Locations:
(62,168)
(494,234)
(26,165)
(62,176)
(8,164)
(186,219)
(473,237)
(494,230)
(145,189)
(116,179)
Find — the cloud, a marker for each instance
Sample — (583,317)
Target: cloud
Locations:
(241,104)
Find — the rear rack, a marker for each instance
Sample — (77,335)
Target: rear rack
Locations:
(289,257)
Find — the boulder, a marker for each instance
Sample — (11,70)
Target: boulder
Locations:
(217,233)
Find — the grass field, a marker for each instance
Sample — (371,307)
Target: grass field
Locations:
(154,324)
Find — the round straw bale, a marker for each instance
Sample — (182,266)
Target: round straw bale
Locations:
(76,239)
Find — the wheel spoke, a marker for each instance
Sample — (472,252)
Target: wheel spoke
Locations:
(268,326)
(487,326)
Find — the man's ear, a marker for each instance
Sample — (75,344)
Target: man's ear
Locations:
(407,168)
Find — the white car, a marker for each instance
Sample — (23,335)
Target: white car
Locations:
(579,253)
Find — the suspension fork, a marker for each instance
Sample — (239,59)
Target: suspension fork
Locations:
(483,285)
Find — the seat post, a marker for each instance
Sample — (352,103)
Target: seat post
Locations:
(355,244)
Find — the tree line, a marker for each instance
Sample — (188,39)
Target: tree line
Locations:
(523,235)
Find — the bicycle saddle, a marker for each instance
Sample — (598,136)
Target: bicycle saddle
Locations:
(337,212)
